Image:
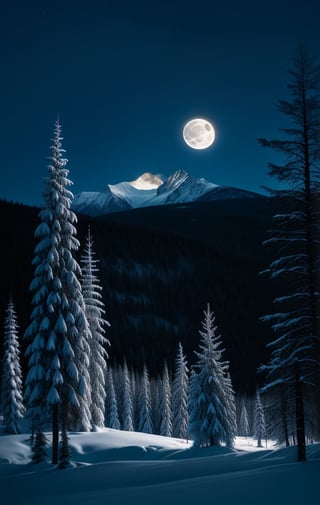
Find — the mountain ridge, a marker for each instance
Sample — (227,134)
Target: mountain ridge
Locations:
(149,190)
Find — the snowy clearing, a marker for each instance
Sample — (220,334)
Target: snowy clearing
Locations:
(117,467)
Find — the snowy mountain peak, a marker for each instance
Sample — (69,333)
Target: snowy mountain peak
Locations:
(181,177)
(181,187)
(146,181)
(149,190)
(173,181)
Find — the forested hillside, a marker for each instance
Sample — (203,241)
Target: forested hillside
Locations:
(159,267)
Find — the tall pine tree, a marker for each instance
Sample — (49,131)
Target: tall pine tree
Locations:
(296,345)
(95,311)
(111,410)
(212,408)
(165,404)
(145,424)
(58,337)
(180,389)
(11,385)
(127,402)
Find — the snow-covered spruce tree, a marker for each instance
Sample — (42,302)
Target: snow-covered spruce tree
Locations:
(243,427)
(12,406)
(212,411)
(259,427)
(58,350)
(296,346)
(165,404)
(180,389)
(145,424)
(95,311)
(126,401)
(156,392)
(111,410)
(134,384)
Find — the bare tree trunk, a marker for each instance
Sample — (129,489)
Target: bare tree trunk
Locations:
(55,435)
(311,203)
(284,417)
(300,426)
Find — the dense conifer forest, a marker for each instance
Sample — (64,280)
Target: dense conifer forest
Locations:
(159,267)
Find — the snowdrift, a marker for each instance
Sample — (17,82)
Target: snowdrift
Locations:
(115,467)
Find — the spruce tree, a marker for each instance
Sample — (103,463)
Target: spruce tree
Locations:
(135,383)
(11,385)
(95,311)
(57,338)
(111,410)
(296,345)
(127,405)
(145,424)
(165,404)
(212,409)
(180,389)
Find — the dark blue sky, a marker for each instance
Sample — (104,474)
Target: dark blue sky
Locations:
(124,77)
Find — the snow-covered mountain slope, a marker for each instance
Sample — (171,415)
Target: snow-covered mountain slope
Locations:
(93,203)
(181,187)
(227,193)
(149,190)
(133,196)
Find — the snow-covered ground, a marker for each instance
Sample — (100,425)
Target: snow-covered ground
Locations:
(124,468)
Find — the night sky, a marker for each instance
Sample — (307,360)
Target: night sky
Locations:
(124,77)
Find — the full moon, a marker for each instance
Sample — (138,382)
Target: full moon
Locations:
(198,133)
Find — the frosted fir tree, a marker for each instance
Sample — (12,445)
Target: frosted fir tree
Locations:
(259,427)
(135,383)
(11,384)
(243,428)
(95,311)
(156,392)
(212,411)
(57,339)
(145,424)
(117,380)
(180,391)
(165,404)
(111,410)
(127,404)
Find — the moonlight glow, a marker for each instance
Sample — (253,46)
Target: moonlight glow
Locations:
(199,133)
